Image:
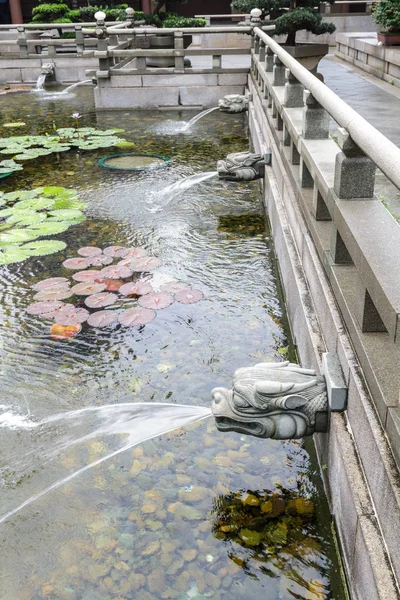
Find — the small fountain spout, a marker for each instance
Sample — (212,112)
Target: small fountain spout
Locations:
(198,117)
(243,166)
(46,70)
(234,103)
(281,400)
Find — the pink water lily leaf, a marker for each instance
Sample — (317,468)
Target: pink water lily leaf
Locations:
(47,284)
(189,296)
(135,288)
(71,315)
(146,263)
(89,251)
(134,317)
(112,285)
(90,275)
(173,287)
(116,251)
(136,252)
(86,288)
(103,318)
(53,294)
(76,263)
(44,308)
(100,300)
(156,300)
(99,261)
(115,272)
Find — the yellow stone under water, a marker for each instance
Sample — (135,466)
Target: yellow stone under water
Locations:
(134,162)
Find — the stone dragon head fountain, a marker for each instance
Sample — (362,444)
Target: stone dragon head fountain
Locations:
(280,400)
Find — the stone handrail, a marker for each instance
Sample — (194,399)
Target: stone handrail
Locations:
(332,183)
(381,151)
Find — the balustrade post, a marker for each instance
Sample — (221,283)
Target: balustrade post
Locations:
(278,72)
(286,136)
(80,42)
(319,209)
(262,51)
(22,42)
(179,52)
(354,171)
(256,45)
(269,60)
(104,59)
(217,61)
(315,119)
(293,94)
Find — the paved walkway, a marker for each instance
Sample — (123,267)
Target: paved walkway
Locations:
(371,100)
(378,102)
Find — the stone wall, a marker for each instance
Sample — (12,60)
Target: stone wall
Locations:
(169,90)
(362,50)
(361,476)
(27,70)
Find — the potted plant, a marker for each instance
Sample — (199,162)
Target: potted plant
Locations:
(387,14)
(289,17)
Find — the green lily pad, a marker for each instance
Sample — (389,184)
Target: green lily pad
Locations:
(53,190)
(12,254)
(48,228)
(26,218)
(65,214)
(16,236)
(124,145)
(43,247)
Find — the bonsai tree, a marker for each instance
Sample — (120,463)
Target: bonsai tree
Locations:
(289,16)
(387,14)
(56,11)
(301,18)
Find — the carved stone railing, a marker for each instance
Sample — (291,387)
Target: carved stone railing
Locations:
(357,239)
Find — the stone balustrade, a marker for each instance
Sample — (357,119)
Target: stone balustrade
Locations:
(347,245)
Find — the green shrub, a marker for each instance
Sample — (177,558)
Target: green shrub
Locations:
(74,15)
(183,22)
(48,13)
(387,14)
(274,8)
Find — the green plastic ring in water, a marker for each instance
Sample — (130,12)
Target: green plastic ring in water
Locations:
(103,161)
(2,175)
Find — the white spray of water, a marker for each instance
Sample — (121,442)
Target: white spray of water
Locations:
(140,422)
(198,117)
(162,198)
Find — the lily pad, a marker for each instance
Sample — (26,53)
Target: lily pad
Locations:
(103,318)
(156,300)
(44,247)
(12,254)
(135,289)
(48,284)
(112,285)
(101,300)
(22,218)
(43,308)
(189,296)
(142,265)
(173,287)
(99,261)
(53,294)
(115,272)
(116,251)
(86,288)
(17,236)
(89,251)
(76,263)
(86,275)
(47,228)
(134,317)
(63,332)
(71,315)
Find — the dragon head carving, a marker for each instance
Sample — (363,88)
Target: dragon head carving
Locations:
(241,166)
(233,103)
(272,400)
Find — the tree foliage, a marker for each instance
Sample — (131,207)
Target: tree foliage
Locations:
(387,14)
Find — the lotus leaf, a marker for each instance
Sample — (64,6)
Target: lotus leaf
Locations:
(44,247)
(49,228)
(65,214)
(108,131)
(26,218)
(21,195)
(53,190)
(16,236)
(13,254)
(124,145)
(34,203)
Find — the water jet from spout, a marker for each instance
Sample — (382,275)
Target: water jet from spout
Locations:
(198,117)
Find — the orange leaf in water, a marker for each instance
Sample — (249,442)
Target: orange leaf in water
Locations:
(63,332)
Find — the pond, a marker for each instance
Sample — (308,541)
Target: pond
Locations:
(194,513)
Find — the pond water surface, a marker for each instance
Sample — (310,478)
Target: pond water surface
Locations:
(194,513)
